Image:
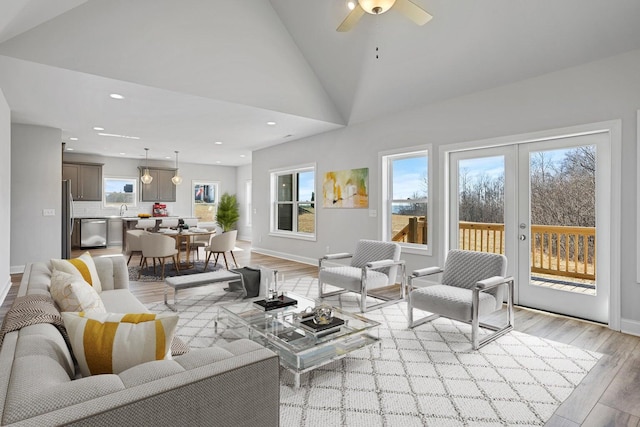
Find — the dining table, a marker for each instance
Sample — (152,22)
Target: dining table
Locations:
(186,236)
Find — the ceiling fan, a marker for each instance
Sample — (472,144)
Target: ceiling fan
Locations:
(376,7)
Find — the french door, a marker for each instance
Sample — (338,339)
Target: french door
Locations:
(546,206)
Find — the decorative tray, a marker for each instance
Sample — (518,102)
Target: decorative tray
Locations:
(280,302)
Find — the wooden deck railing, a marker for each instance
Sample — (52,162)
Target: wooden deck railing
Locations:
(555,250)
(414,232)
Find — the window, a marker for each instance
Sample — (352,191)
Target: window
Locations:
(248,205)
(293,210)
(205,201)
(405,197)
(119,191)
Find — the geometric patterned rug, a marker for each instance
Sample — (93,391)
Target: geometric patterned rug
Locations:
(423,376)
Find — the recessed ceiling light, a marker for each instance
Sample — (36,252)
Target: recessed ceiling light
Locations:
(351,4)
(73,138)
(116,96)
(242,155)
(98,128)
(167,157)
(122,154)
(69,149)
(218,161)
(218,142)
(271,123)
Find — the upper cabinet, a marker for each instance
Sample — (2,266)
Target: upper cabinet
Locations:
(86,180)
(161,189)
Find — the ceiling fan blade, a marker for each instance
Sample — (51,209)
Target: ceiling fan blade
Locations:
(412,11)
(352,19)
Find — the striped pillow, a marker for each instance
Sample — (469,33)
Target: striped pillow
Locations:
(72,293)
(83,266)
(109,343)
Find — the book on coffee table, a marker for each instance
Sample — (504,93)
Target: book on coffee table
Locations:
(328,328)
(280,302)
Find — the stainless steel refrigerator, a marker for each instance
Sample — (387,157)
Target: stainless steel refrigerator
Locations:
(67,219)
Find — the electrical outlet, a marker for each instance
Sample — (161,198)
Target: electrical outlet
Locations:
(48,212)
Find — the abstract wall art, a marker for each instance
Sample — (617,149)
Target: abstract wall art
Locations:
(346,189)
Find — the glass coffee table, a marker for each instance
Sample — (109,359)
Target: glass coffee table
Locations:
(293,336)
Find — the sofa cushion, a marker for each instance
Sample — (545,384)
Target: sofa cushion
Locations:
(45,340)
(83,266)
(121,301)
(105,343)
(73,293)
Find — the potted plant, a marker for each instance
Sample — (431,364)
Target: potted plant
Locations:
(227,214)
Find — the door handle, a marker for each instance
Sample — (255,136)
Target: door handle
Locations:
(523,237)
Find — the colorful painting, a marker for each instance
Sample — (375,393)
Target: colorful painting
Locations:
(346,189)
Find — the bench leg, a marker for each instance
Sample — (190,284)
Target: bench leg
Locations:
(175,293)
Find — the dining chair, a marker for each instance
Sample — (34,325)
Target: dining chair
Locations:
(472,285)
(158,246)
(374,264)
(146,224)
(221,244)
(134,244)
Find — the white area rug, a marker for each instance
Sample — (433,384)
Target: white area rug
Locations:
(425,376)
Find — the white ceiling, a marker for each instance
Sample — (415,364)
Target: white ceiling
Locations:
(194,72)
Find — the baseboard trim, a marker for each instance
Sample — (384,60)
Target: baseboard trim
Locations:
(631,327)
(4,291)
(16,269)
(290,257)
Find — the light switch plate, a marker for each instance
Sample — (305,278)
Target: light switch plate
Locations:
(373,213)
(48,212)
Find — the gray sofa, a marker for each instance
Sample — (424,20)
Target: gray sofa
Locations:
(232,385)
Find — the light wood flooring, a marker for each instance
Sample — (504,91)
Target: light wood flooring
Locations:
(608,396)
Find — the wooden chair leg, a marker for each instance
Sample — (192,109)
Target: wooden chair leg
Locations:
(143,262)
(130,255)
(162,264)
(224,255)
(234,259)
(206,263)
(176,264)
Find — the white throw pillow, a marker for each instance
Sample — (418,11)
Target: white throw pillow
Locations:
(72,293)
(83,267)
(109,343)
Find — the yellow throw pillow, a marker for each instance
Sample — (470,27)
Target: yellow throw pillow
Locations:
(83,267)
(109,343)
(72,293)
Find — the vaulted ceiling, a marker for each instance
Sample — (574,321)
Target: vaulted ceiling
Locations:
(193,72)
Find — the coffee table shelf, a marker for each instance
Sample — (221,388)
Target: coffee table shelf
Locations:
(300,349)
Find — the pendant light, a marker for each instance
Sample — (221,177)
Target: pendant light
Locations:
(177,179)
(146,178)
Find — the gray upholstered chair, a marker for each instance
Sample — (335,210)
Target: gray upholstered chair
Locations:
(374,264)
(472,286)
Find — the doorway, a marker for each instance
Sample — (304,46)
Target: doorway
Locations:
(546,206)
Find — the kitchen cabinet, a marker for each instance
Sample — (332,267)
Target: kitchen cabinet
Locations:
(86,180)
(161,189)
(114,232)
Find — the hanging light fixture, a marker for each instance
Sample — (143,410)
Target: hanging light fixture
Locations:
(177,179)
(146,177)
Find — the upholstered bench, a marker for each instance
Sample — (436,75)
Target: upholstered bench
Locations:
(198,279)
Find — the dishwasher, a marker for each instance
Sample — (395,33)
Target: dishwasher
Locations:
(93,233)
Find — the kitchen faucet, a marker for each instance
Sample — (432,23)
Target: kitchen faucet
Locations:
(124,205)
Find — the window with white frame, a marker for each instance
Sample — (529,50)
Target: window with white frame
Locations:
(119,191)
(406,197)
(248,206)
(293,210)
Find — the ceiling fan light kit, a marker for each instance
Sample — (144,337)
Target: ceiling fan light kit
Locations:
(376,7)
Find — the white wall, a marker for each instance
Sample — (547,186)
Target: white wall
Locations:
(603,90)
(36,176)
(243,174)
(128,168)
(5,195)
